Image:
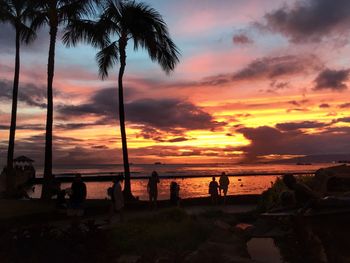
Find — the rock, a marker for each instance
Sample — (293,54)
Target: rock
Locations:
(197,257)
(219,252)
(223,225)
(164,260)
(129,259)
(243,226)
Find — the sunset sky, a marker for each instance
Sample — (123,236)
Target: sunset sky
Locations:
(257,81)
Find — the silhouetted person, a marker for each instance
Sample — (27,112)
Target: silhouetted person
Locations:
(304,196)
(78,194)
(213,191)
(174,193)
(152,188)
(224,182)
(61,202)
(22,192)
(117,198)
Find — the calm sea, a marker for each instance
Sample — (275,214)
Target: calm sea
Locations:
(189,185)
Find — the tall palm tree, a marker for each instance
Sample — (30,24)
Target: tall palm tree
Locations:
(55,13)
(17,13)
(125,20)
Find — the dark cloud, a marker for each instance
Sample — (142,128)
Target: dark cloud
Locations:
(267,141)
(99,147)
(159,135)
(273,67)
(276,85)
(324,106)
(270,68)
(33,146)
(332,79)
(170,113)
(297,110)
(298,103)
(292,126)
(309,21)
(154,115)
(178,139)
(242,39)
(35,127)
(344,105)
(345,119)
(27,93)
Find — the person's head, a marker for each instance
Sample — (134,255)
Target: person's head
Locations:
(78,178)
(289,180)
(118,179)
(121,177)
(115,180)
(213,178)
(223,174)
(154,174)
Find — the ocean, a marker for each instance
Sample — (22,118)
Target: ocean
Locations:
(244,178)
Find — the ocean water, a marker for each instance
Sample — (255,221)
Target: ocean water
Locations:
(139,170)
(190,186)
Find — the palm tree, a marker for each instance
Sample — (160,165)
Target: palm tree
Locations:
(17,13)
(55,13)
(126,20)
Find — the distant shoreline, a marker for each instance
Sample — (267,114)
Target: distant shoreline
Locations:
(103,177)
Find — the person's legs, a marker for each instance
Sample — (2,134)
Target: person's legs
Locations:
(121,215)
(111,212)
(213,199)
(150,199)
(225,193)
(155,199)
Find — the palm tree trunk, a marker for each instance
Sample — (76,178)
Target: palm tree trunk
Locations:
(11,146)
(48,178)
(127,186)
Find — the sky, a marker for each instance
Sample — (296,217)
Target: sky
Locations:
(257,81)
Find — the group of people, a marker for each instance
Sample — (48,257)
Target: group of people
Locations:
(77,196)
(117,199)
(77,193)
(216,188)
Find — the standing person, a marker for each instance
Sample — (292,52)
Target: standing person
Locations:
(213,191)
(224,182)
(117,197)
(152,188)
(78,195)
(174,193)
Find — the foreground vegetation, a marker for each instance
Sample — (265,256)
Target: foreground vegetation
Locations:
(170,233)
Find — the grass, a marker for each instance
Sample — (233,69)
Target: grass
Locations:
(171,231)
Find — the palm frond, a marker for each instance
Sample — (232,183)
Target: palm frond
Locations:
(76,9)
(107,58)
(27,33)
(88,31)
(17,13)
(39,19)
(112,10)
(149,31)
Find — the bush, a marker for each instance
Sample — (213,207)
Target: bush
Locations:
(171,230)
(271,197)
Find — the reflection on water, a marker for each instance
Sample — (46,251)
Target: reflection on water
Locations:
(264,250)
(189,187)
(318,239)
(186,169)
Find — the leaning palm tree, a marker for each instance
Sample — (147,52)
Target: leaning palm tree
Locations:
(125,20)
(16,13)
(55,13)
